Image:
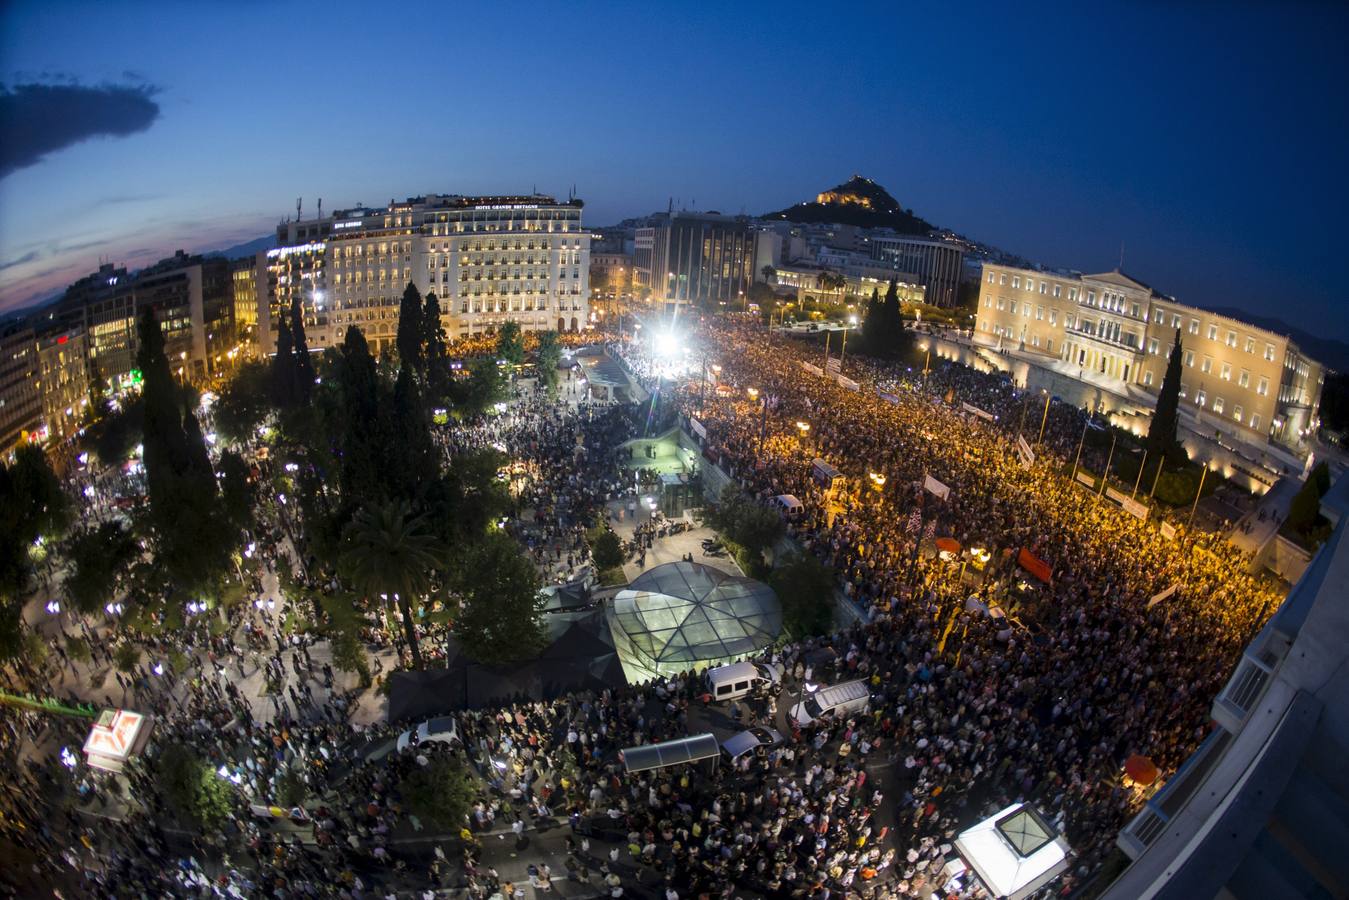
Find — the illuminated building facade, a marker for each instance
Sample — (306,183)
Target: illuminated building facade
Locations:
(63,383)
(701,258)
(20,398)
(932,262)
(488,260)
(1115,331)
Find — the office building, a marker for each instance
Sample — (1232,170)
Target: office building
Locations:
(63,383)
(934,263)
(705,259)
(488,260)
(1239,381)
(20,397)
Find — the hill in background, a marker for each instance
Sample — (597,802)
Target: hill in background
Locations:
(858,201)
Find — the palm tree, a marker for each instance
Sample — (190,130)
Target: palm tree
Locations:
(769,273)
(390,552)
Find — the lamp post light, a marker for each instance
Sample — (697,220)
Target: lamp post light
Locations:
(803,432)
(1044,418)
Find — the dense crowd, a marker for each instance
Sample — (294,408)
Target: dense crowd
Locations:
(968,711)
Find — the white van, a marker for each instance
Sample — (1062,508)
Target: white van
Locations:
(836,701)
(742,679)
(788,506)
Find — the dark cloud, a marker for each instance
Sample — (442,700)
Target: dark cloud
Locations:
(37,119)
(18,261)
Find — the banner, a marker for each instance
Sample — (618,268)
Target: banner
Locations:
(976,411)
(814,370)
(1118,496)
(1034,565)
(1158,598)
(1024,450)
(935,487)
(1135,508)
(697,428)
(890,398)
(1087,478)
(833,364)
(847,383)
(1168,531)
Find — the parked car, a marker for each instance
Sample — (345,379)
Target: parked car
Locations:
(835,701)
(756,740)
(442,730)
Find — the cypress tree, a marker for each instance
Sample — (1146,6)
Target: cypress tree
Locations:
(301,364)
(433,339)
(410,332)
(1161,440)
(283,367)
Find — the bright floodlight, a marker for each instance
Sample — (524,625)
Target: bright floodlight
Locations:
(667,344)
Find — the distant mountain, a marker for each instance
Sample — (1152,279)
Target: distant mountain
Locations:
(248,248)
(858,201)
(1327,351)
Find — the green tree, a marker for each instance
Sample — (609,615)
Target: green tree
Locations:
(485,386)
(440,791)
(192,540)
(302,365)
(361,473)
(284,386)
(500,605)
(607,550)
(740,520)
(805,588)
(1161,443)
(411,334)
(115,432)
(511,343)
(99,557)
(1306,506)
(434,344)
(769,274)
(412,455)
(244,403)
(32,506)
(192,788)
(547,358)
(388,551)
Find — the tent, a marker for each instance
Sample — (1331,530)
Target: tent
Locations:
(691,749)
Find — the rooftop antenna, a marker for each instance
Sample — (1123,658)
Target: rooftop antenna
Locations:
(320,209)
(299,201)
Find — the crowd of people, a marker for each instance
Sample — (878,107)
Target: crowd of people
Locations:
(966,714)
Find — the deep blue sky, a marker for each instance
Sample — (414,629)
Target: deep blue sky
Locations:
(1210,139)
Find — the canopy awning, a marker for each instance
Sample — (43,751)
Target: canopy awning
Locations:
(694,748)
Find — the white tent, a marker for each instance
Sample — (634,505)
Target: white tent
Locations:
(1014,852)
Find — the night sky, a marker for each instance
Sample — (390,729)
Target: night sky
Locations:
(1209,139)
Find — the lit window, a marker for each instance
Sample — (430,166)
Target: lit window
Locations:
(1147,377)
(1236,413)
(1245,379)
(1207,365)
(1269,351)
(1263,387)
(1213,332)
(1217,404)
(1194,326)
(1227,372)
(1255,421)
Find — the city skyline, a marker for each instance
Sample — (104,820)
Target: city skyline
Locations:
(1180,160)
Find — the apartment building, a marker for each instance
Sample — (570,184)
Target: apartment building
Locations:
(1116,331)
(488,260)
